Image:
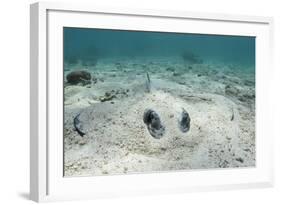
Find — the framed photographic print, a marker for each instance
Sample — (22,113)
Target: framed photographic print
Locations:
(129,102)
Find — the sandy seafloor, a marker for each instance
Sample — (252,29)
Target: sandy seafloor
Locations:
(219,98)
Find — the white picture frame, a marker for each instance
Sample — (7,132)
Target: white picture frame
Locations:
(46,180)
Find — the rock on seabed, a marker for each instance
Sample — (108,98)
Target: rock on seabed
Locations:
(79,76)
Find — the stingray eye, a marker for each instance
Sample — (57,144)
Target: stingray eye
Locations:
(153,123)
(147,116)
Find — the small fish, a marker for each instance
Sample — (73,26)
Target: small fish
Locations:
(78,126)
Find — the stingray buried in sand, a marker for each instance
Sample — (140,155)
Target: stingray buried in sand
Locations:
(148,105)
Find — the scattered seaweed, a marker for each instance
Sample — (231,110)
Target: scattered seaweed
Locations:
(231,90)
(110,95)
(187,97)
(106,98)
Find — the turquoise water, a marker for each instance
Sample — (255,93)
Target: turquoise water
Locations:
(81,44)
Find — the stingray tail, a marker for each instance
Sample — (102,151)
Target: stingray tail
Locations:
(148,83)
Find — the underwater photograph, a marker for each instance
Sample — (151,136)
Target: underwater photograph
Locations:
(145,101)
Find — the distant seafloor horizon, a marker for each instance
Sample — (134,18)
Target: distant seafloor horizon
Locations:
(81,43)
